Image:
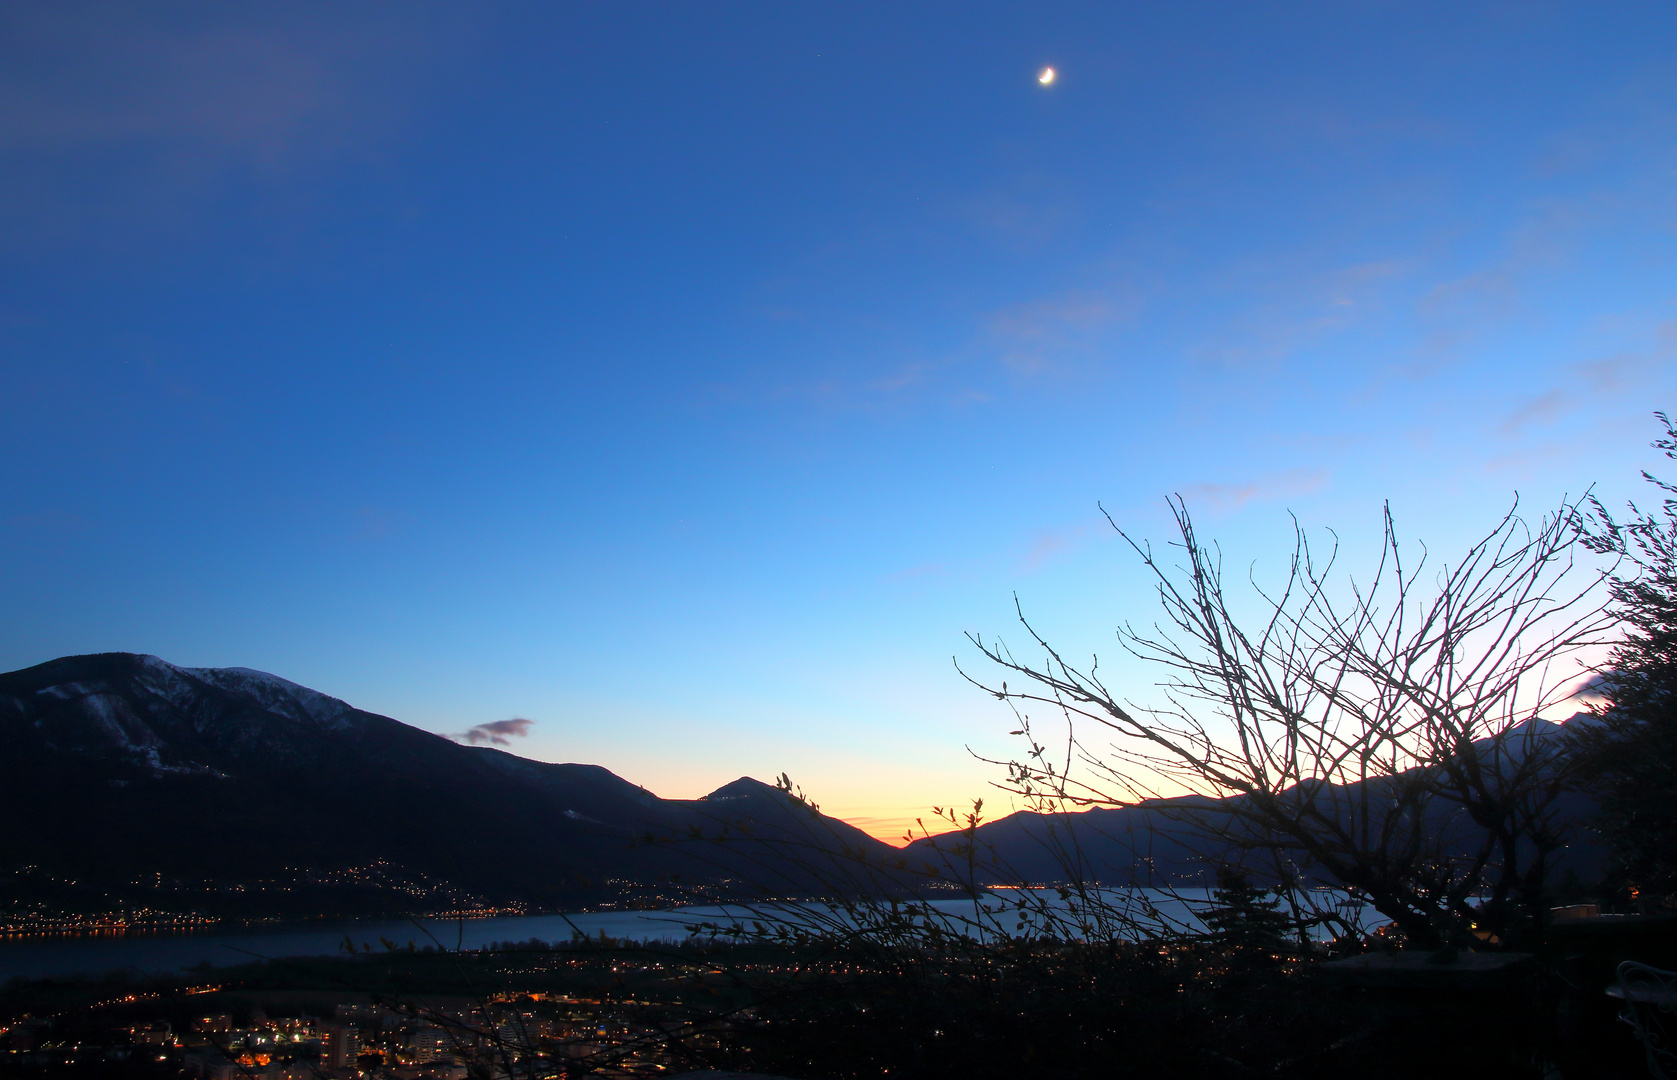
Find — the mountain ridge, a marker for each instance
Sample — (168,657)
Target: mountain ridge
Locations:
(1150,842)
(244,789)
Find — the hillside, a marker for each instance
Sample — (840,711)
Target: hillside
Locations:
(126,781)
(1148,842)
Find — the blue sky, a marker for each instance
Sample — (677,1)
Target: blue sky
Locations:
(689,378)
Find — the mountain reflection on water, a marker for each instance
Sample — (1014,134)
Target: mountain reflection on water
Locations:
(154,953)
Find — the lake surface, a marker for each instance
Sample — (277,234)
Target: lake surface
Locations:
(150,953)
(136,953)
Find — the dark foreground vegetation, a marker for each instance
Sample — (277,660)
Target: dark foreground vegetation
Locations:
(1227,1006)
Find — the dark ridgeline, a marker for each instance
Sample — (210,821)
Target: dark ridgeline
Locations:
(1183,841)
(128,781)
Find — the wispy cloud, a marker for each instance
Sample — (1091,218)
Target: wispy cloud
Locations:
(1606,379)
(1226,498)
(1045,547)
(1545,409)
(1049,335)
(376,523)
(497,732)
(908,377)
(1056,542)
(1043,340)
(263,84)
(172,105)
(1460,310)
(1028,212)
(47,521)
(1293,309)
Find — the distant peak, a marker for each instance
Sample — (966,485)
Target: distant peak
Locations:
(743,788)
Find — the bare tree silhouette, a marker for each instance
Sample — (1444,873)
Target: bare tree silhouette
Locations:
(1381,733)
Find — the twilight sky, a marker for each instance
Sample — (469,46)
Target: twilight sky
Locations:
(687,378)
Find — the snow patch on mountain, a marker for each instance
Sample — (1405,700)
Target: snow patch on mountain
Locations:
(155,761)
(279,695)
(112,715)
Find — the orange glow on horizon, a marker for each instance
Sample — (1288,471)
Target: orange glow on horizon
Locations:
(888,830)
(888,824)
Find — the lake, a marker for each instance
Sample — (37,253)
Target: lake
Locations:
(149,953)
(141,952)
